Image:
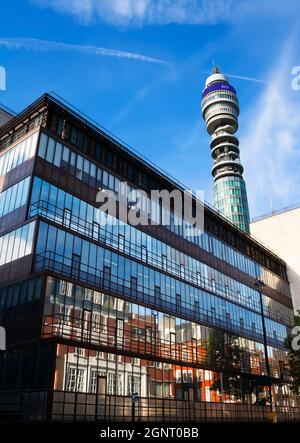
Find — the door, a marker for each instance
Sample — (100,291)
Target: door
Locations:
(100,413)
(67,217)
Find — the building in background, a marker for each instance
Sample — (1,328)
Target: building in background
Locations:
(96,312)
(280,231)
(220,110)
(5,114)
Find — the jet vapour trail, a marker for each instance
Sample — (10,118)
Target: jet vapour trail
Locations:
(241,77)
(250,79)
(45,45)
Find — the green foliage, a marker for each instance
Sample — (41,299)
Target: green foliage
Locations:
(225,353)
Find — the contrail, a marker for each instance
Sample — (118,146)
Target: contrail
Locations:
(240,77)
(250,79)
(44,45)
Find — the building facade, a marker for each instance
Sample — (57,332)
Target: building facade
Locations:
(280,231)
(97,311)
(5,114)
(220,110)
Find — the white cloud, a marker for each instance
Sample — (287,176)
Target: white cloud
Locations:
(44,45)
(143,12)
(163,12)
(270,146)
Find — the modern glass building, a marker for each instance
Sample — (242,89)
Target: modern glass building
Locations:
(220,110)
(96,312)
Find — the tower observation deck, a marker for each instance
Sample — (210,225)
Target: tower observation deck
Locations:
(220,110)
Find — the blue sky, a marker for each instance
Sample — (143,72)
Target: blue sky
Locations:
(148,89)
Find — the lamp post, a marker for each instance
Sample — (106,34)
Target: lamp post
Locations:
(259,284)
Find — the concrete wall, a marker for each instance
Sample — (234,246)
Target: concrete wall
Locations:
(281,232)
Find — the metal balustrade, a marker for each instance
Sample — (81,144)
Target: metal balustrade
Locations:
(97,233)
(105,336)
(59,405)
(54,262)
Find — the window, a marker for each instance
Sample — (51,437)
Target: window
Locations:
(14,197)
(79,167)
(120,385)
(213,285)
(148,334)
(88,294)
(93,381)
(120,328)
(104,324)
(144,254)
(199,279)
(16,244)
(133,384)
(135,334)
(50,150)
(207,393)
(75,379)
(111,383)
(18,154)
(96,322)
(71,381)
(79,351)
(164,262)
(119,332)
(121,242)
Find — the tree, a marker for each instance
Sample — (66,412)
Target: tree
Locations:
(294,356)
(225,353)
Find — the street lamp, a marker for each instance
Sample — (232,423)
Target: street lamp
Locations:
(259,284)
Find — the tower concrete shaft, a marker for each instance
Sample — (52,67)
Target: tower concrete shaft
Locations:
(220,110)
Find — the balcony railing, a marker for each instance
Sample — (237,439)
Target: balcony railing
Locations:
(121,244)
(193,351)
(133,290)
(100,235)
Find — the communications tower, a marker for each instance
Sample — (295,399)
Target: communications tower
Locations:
(220,110)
